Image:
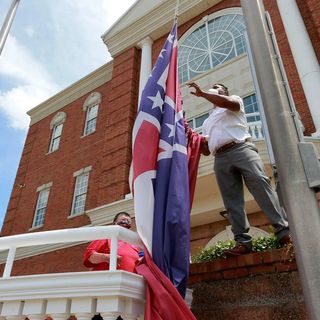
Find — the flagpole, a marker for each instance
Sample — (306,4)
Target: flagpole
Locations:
(176,13)
(7,23)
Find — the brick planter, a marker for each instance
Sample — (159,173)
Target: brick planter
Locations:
(262,285)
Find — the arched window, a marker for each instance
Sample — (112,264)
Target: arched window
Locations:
(56,125)
(91,107)
(212,43)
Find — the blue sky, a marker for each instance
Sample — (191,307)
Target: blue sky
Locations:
(51,45)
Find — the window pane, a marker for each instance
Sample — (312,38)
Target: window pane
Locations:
(201,119)
(41,208)
(57,130)
(91,126)
(190,123)
(55,144)
(55,139)
(80,192)
(213,43)
(91,119)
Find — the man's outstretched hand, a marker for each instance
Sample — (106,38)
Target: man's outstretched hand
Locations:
(198,91)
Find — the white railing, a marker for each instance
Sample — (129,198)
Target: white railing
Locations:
(255,130)
(82,294)
(114,233)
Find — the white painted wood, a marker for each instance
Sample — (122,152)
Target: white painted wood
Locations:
(11,308)
(111,304)
(59,316)
(9,263)
(113,254)
(83,315)
(82,305)
(58,306)
(35,316)
(66,235)
(32,307)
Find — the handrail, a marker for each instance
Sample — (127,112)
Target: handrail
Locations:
(114,233)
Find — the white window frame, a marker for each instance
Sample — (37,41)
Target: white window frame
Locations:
(93,100)
(184,65)
(53,147)
(88,120)
(55,123)
(78,175)
(44,189)
(193,120)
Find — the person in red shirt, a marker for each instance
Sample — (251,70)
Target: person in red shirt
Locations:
(97,254)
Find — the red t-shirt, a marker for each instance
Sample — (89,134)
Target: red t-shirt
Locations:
(127,251)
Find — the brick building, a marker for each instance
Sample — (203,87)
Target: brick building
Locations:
(75,165)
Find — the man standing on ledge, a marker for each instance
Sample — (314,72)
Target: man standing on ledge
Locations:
(236,158)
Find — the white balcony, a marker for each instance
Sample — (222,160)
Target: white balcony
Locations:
(82,294)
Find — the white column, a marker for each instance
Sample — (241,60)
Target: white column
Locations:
(304,56)
(146,62)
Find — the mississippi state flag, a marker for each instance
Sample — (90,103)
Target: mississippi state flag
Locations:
(160,169)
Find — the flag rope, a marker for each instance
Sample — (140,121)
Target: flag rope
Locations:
(176,14)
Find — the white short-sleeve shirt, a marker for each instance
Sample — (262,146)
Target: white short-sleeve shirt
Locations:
(224,126)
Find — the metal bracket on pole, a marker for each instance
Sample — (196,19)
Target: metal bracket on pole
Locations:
(310,163)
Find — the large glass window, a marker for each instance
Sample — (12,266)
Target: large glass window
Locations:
(196,123)
(251,108)
(211,44)
(252,114)
(41,208)
(80,194)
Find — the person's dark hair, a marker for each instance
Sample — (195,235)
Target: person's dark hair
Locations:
(120,214)
(223,86)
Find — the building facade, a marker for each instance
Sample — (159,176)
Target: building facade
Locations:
(75,166)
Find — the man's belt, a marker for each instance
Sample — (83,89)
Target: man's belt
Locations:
(229,145)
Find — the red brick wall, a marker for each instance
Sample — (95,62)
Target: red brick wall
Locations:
(264,286)
(201,235)
(107,150)
(290,68)
(310,12)
(66,260)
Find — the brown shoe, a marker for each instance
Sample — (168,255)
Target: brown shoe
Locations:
(238,250)
(286,240)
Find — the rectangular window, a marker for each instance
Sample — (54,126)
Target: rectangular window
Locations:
(55,139)
(91,120)
(197,122)
(80,193)
(41,208)
(251,108)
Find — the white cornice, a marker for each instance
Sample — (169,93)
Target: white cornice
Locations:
(154,23)
(104,215)
(73,92)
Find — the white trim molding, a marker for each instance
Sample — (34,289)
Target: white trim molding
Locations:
(72,93)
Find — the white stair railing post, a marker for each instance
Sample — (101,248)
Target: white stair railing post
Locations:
(113,254)
(9,262)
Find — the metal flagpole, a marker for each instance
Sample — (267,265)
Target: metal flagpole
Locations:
(176,13)
(7,23)
(297,163)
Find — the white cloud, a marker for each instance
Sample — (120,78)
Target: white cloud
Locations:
(65,45)
(32,84)
(29,31)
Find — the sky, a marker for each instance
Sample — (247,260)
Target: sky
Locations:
(51,45)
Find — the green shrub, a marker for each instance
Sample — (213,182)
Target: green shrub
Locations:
(217,251)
